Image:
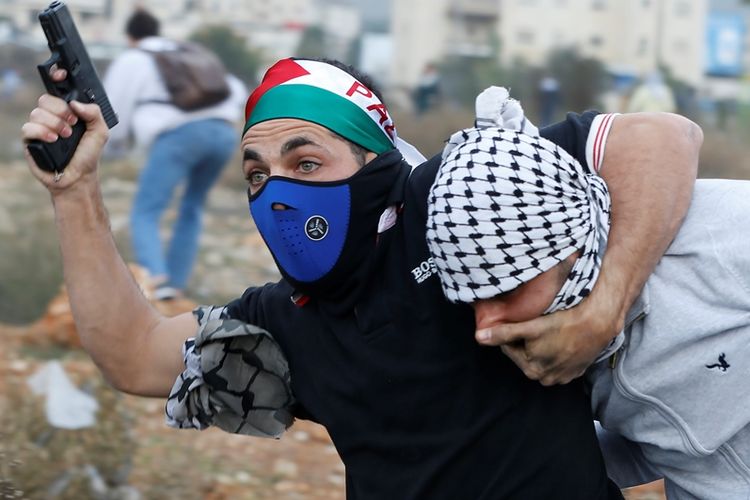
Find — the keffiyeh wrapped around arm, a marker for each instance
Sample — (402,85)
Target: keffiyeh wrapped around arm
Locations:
(236,378)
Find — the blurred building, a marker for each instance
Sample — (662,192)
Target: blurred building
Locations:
(702,43)
(636,36)
(273,26)
(426,31)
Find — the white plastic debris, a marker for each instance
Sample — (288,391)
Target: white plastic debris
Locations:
(66,406)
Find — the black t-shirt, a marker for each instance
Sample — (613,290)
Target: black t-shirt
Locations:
(415,407)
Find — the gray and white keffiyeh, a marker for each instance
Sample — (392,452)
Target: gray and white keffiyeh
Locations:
(506,207)
(236,378)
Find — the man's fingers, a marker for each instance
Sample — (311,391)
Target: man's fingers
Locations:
(54,124)
(56,106)
(517,353)
(561,377)
(57,74)
(31,131)
(511,332)
(95,124)
(90,113)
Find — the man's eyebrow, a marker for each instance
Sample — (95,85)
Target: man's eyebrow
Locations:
(296,142)
(251,155)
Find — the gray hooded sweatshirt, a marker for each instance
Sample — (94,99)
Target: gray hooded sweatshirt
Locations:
(680,384)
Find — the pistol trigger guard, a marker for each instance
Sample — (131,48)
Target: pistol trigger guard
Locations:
(59,89)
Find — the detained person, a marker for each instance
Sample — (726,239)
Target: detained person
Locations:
(518,227)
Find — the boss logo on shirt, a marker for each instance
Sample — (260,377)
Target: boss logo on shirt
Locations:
(316,228)
(426,269)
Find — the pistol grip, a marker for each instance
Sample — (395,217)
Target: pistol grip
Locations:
(54,156)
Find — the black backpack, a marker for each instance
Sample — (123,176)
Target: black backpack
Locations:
(193,75)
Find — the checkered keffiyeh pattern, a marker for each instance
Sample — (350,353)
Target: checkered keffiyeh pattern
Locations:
(236,378)
(506,207)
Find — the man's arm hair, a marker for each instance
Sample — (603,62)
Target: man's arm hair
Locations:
(650,165)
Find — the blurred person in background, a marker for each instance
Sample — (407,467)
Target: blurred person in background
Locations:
(185,148)
(427,91)
(549,99)
(357,335)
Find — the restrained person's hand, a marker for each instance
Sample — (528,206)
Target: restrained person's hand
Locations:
(558,347)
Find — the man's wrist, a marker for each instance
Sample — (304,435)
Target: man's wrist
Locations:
(81,200)
(606,307)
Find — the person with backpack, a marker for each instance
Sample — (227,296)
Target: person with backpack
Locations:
(176,101)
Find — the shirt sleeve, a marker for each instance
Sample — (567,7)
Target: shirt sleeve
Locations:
(122,82)
(571,134)
(236,378)
(597,140)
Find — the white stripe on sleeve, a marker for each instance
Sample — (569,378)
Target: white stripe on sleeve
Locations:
(597,140)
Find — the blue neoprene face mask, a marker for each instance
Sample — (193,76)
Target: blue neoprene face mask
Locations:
(307,237)
(325,240)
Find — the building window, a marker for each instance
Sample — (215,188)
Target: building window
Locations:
(596,41)
(646,4)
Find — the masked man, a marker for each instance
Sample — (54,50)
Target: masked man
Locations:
(361,338)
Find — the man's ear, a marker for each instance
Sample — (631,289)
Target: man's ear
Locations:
(369,156)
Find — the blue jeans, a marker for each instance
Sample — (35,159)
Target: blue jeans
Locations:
(193,154)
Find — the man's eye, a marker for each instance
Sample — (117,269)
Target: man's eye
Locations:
(257,177)
(308,166)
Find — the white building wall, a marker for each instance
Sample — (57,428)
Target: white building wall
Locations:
(683,43)
(627,35)
(420,29)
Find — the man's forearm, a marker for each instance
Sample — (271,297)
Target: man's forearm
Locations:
(112,316)
(137,349)
(651,186)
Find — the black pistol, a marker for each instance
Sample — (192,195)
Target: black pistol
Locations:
(82,84)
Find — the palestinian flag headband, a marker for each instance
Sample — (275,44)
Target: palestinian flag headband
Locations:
(320,93)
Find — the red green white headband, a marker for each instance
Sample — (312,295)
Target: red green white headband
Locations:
(320,93)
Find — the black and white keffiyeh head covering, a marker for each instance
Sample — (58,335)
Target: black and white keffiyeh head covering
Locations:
(506,207)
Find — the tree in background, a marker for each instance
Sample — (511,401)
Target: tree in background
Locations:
(684,94)
(312,44)
(238,58)
(582,79)
(463,77)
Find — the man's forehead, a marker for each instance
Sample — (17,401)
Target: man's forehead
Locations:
(278,129)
